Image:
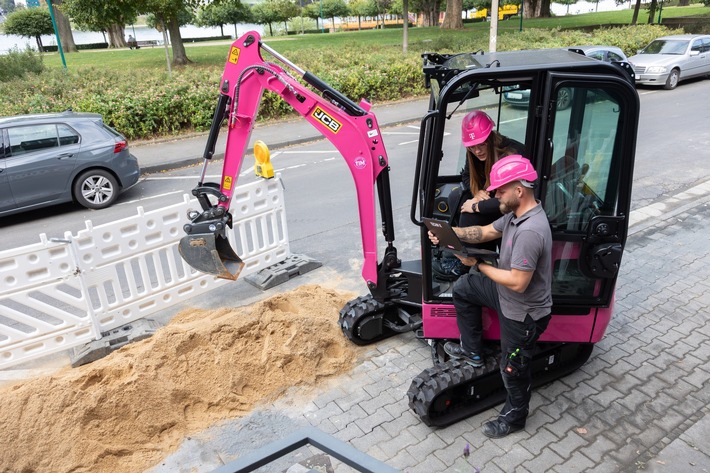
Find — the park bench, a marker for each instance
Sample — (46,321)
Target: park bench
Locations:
(140,44)
(150,42)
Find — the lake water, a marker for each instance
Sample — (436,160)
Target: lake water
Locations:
(141,33)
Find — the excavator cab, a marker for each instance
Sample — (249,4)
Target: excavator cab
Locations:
(576,118)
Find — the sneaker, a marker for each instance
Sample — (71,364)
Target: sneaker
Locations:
(455,351)
(449,269)
(499,428)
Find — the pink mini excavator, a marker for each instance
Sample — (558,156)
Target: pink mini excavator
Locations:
(576,118)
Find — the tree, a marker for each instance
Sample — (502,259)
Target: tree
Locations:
(651,11)
(429,10)
(635,16)
(167,15)
(383,7)
(266,13)
(334,8)
(30,23)
(224,13)
(360,8)
(468,5)
(568,3)
(287,10)
(99,15)
(536,8)
(63,27)
(452,19)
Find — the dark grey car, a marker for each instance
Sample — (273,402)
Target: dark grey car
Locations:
(62,157)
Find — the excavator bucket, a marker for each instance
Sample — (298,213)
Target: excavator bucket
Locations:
(211,254)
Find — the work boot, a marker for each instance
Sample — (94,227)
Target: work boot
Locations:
(449,269)
(455,351)
(499,428)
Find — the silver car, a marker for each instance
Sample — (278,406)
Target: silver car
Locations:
(671,59)
(62,157)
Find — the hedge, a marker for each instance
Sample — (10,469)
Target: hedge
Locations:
(159,105)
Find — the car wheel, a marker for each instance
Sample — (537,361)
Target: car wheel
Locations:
(564,98)
(672,81)
(96,189)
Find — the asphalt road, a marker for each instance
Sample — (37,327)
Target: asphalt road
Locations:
(673,154)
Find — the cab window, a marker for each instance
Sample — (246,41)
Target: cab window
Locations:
(580,183)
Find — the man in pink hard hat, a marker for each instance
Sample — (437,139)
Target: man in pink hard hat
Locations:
(518,289)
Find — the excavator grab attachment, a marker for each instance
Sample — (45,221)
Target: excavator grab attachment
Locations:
(211,254)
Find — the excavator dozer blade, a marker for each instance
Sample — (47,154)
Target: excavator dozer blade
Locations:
(211,254)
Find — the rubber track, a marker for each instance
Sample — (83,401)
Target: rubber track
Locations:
(454,391)
(440,395)
(356,312)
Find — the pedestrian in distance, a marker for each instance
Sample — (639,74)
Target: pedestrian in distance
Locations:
(470,202)
(132,43)
(518,288)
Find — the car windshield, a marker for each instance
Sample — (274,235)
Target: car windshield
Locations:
(663,46)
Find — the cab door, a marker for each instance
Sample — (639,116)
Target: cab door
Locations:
(586,159)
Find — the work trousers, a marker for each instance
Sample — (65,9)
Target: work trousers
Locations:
(471,293)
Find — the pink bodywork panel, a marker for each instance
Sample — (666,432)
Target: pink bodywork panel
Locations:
(439,320)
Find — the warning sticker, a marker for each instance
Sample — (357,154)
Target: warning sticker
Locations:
(227,183)
(234,55)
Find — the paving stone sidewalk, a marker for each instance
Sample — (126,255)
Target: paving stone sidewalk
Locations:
(639,404)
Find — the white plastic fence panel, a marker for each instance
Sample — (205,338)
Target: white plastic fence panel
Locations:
(57,295)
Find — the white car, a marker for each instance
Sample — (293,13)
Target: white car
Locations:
(671,59)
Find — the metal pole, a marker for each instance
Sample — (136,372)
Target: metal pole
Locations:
(660,9)
(56,33)
(522,7)
(321,17)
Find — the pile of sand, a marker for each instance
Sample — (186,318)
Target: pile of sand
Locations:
(127,411)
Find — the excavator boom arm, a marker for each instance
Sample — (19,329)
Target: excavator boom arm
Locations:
(351,128)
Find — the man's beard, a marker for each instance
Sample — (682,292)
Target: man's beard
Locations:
(506,207)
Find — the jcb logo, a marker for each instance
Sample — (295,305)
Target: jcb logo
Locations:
(323,117)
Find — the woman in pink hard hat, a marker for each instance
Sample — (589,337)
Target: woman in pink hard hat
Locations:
(519,289)
(471,203)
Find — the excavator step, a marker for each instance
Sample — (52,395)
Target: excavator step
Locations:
(279,273)
(453,391)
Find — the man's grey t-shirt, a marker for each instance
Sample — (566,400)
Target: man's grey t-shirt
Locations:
(526,245)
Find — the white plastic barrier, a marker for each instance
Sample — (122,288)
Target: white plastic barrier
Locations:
(55,295)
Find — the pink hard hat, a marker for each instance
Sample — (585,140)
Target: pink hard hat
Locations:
(475,128)
(512,168)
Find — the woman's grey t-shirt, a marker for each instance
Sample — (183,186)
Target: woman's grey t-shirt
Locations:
(526,245)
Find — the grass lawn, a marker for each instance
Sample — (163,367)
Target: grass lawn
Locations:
(214,54)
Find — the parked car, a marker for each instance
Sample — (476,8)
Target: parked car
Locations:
(671,59)
(62,157)
(521,97)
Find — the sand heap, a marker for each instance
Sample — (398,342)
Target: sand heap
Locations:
(127,411)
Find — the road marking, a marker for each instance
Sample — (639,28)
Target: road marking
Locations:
(143,199)
(166,178)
